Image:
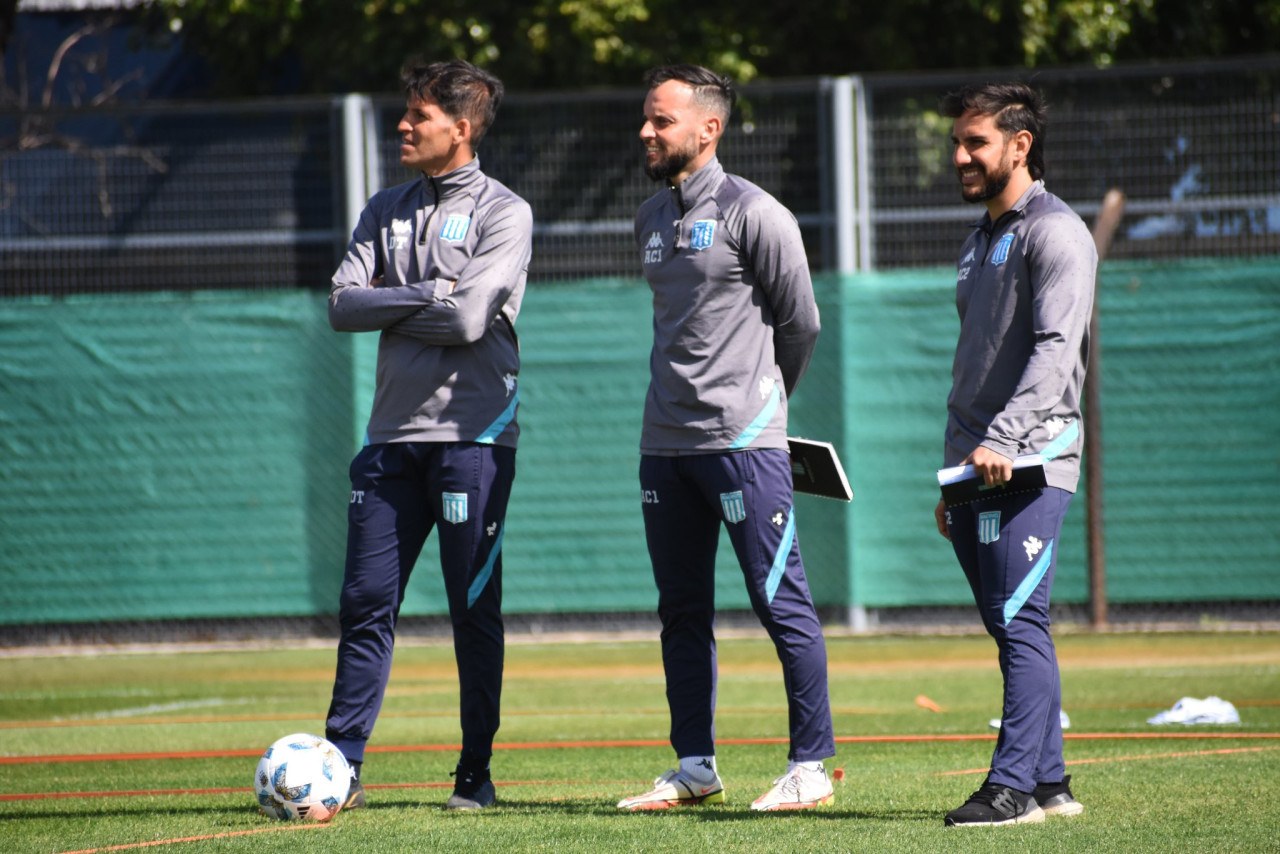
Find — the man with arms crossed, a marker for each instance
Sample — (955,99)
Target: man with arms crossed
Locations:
(735,324)
(438,265)
(1024,291)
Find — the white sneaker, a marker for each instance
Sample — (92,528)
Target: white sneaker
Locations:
(798,789)
(675,788)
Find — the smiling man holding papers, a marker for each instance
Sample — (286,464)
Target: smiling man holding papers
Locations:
(1024,293)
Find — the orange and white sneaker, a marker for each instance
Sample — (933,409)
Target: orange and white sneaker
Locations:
(676,789)
(798,789)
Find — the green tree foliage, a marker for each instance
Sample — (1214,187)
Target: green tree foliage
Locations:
(263,46)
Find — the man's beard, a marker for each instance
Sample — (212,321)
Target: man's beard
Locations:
(667,167)
(992,185)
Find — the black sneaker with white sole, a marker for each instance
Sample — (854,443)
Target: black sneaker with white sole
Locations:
(995,805)
(472,788)
(1056,798)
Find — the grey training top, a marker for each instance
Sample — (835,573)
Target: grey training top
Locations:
(448,355)
(734,319)
(1024,290)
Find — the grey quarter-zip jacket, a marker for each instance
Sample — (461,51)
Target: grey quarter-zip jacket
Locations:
(734,317)
(1024,292)
(438,265)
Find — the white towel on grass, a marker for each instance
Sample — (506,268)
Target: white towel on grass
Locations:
(1189,710)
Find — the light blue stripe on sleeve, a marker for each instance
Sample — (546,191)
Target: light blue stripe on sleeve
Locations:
(1028,585)
(780,559)
(761,421)
(1060,444)
(477,586)
(495,429)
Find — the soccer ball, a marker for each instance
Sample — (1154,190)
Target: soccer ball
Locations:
(302,776)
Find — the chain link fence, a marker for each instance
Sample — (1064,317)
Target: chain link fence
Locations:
(249,195)
(1195,148)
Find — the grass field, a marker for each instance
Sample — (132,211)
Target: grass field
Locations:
(156,749)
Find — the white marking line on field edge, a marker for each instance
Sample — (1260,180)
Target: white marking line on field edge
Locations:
(157,708)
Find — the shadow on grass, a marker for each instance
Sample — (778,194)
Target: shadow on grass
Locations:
(711,814)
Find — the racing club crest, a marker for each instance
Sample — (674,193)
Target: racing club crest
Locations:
(454,505)
(989,527)
(455,228)
(704,232)
(735,510)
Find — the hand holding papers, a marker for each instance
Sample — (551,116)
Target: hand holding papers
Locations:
(961,485)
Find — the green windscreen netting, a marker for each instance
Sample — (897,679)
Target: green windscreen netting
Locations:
(167,457)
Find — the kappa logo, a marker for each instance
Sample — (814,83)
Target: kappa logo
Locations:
(455,228)
(653,248)
(1001,253)
(703,235)
(766,387)
(401,234)
(454,507)
(1033,547)
(509,380)
(778,518)
(989,527)
(735,509)
(1055,425)
(491,529)
(973,253)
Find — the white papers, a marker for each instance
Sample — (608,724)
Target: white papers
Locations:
(956,474)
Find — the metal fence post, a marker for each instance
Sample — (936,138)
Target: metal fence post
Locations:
(850,145)
(360,163)
(361,171)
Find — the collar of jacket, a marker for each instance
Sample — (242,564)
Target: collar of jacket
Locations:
(700,185)
(460,180)
(985,223)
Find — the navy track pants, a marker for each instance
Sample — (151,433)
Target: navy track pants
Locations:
(1008,548)
(686,499)
(400,491)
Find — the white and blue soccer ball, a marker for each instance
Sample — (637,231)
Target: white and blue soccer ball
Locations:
(302,776)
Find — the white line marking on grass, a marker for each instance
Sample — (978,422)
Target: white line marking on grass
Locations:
(159,708)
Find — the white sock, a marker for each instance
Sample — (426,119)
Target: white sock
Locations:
(809,767)
(699,768)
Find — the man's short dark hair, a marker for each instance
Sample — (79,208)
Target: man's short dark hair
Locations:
(1016,107)
(461,89)
(713,92)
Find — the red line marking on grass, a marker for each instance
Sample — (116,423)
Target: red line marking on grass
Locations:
(556,745)
(152,844)
(44,796)
(1128,758)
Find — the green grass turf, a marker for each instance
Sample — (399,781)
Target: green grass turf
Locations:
(1198,794)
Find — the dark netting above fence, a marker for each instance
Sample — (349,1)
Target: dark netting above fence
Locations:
(252,194)
(1195,148)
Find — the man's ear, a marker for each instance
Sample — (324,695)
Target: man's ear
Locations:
(1022,145)
(462,131)
(712,127)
